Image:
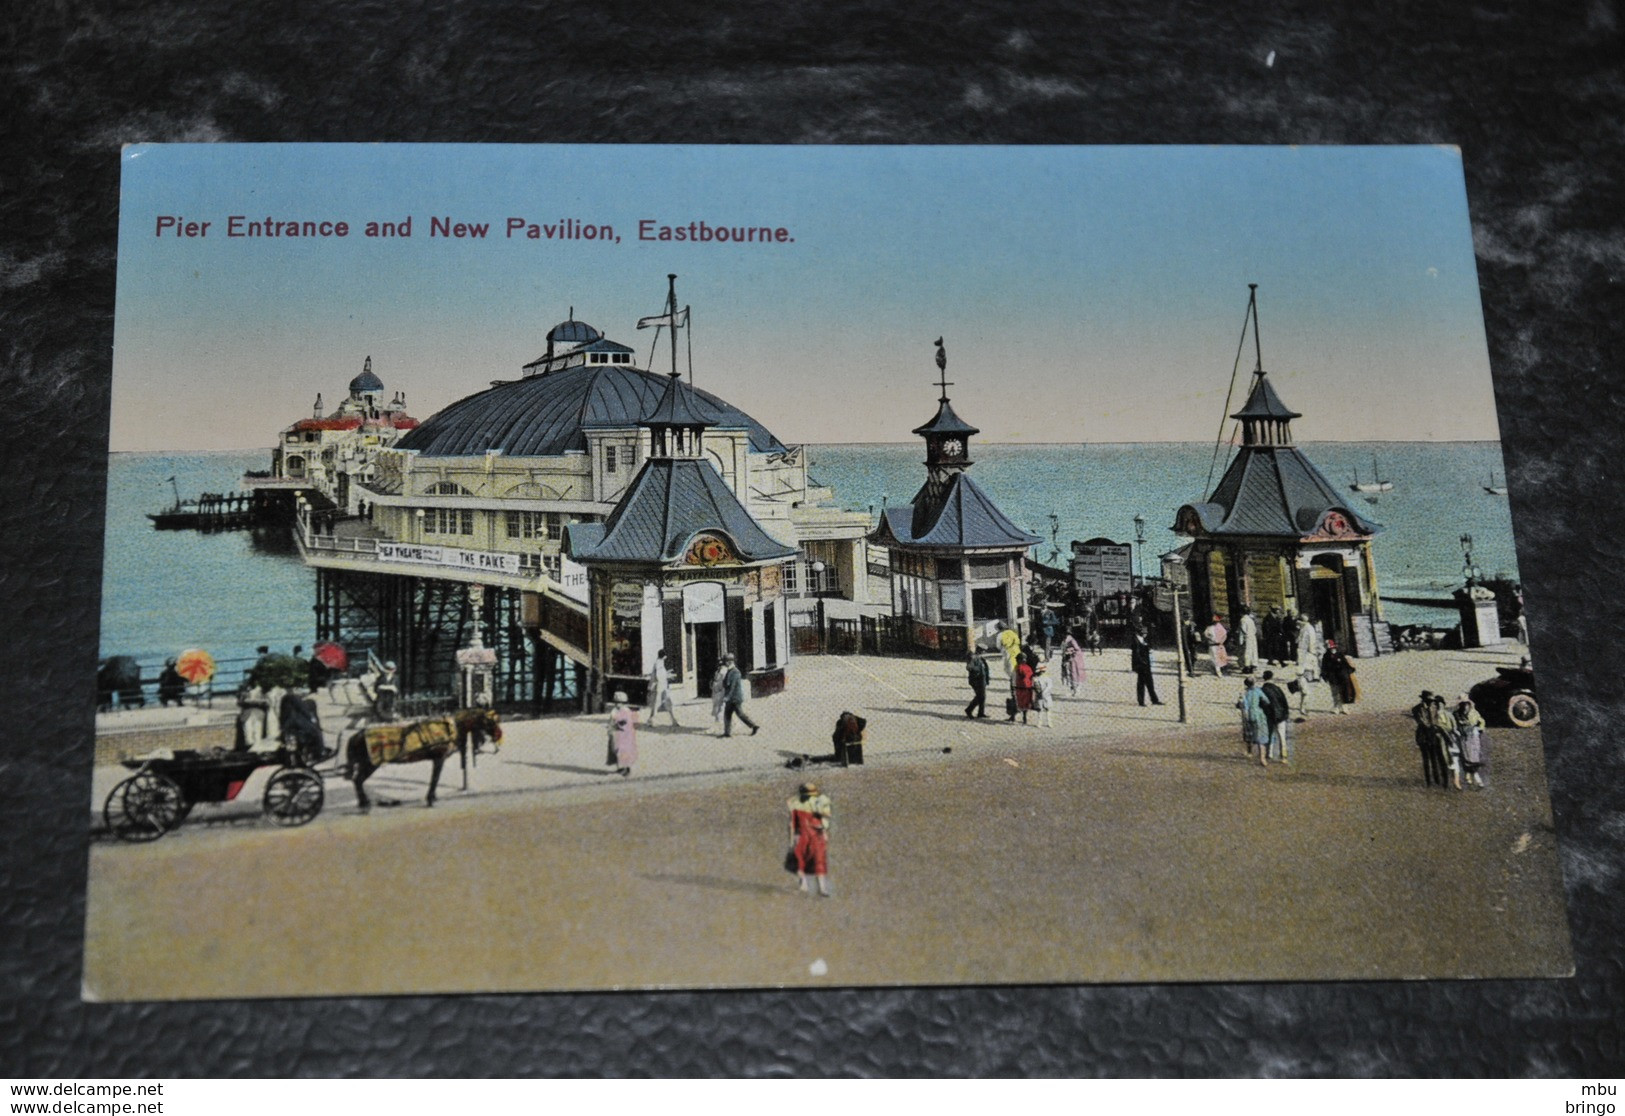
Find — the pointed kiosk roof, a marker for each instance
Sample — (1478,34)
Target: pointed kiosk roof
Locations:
(670,502)
(946,422)
(968,520)
(1263,403)
(676,407)
(1271,489)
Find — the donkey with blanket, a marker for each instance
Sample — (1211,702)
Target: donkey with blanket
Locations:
(433,739)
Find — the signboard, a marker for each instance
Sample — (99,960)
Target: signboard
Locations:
(626,600)
(572,579)
(702,603)
(1102,568)
(483,560)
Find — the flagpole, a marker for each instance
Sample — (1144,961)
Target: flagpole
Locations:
(688,320)
(671,308)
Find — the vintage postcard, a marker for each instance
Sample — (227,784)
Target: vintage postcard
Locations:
(594,567)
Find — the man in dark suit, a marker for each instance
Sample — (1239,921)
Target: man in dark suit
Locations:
(1140,660)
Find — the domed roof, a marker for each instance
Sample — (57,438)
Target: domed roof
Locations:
(572,332)
(366,381)
(542,416)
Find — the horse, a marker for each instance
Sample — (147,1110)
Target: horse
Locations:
(433,739)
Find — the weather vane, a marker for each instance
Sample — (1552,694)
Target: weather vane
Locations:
(942,367)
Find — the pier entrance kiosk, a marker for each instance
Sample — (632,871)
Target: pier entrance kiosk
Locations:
(1274,533)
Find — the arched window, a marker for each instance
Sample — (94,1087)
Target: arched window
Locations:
(447,488)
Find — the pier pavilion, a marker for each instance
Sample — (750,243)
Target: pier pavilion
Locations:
(1275,533)
(957,561)
(462,520)
(327,458)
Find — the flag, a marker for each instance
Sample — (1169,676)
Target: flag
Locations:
(677,321)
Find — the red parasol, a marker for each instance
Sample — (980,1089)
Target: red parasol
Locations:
(195,666)
(332,656)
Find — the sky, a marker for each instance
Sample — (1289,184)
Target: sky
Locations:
(1084,294)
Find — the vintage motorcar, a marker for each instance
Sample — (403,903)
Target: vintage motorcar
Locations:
(1508,698)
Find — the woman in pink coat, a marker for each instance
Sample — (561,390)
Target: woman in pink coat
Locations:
(1216,634)
(623,736)
(1072,663)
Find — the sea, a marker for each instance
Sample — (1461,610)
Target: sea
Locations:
(232,592)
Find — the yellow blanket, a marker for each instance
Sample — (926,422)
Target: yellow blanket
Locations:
(419,740)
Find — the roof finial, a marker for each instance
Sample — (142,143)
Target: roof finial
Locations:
(942,368)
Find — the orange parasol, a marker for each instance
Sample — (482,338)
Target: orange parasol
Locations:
(195,666)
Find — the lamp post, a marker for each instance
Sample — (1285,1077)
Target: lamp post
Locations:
(1468,570)
(1139,552)
(816,568)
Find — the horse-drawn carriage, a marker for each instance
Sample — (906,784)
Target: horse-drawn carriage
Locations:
(165,787)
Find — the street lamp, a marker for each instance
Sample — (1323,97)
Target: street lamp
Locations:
(1468,570)
(1139,540)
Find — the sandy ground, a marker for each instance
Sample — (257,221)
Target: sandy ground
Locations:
(1118,846)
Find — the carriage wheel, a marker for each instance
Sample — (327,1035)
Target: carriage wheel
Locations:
(294,796)
(1523,710)
(144,807)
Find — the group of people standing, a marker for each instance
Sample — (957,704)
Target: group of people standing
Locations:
(1452,741)
(1026,669)
(1285,640)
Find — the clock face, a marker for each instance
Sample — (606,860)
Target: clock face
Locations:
(953,447)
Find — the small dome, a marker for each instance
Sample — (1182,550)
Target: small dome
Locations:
(366,381)
(572,332)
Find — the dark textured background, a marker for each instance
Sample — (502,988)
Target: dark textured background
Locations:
(1532,93)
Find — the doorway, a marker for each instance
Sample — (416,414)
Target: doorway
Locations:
(707,655)
(1330,599)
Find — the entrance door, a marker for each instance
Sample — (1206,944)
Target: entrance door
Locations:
(707,654)
(1330,603)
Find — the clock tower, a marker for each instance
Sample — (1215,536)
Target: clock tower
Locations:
(947,446)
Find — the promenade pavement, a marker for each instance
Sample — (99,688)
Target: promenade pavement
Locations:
(915,709)
(1120,845)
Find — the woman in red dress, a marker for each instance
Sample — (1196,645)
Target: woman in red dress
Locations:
(809,832)
(1021,688)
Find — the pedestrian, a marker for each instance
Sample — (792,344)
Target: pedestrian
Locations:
(1072,669)
(1308,649)
(1338,673)
(1279,715)
(1248,651)
(810,820)
(1270,632)
(1255,726)
(719,691)
(386,690)
(171,686)
(1215,634)
(623,736)
(1010,647)
(1049,623)
(1044,696)
(977,674)
(660,699)
(848,739)
(1021,689)
(1444,740)
(1191,641)
(1473,741)
(1139,655)
(300,727)
(1422,714)
(733,687)
(252,706)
